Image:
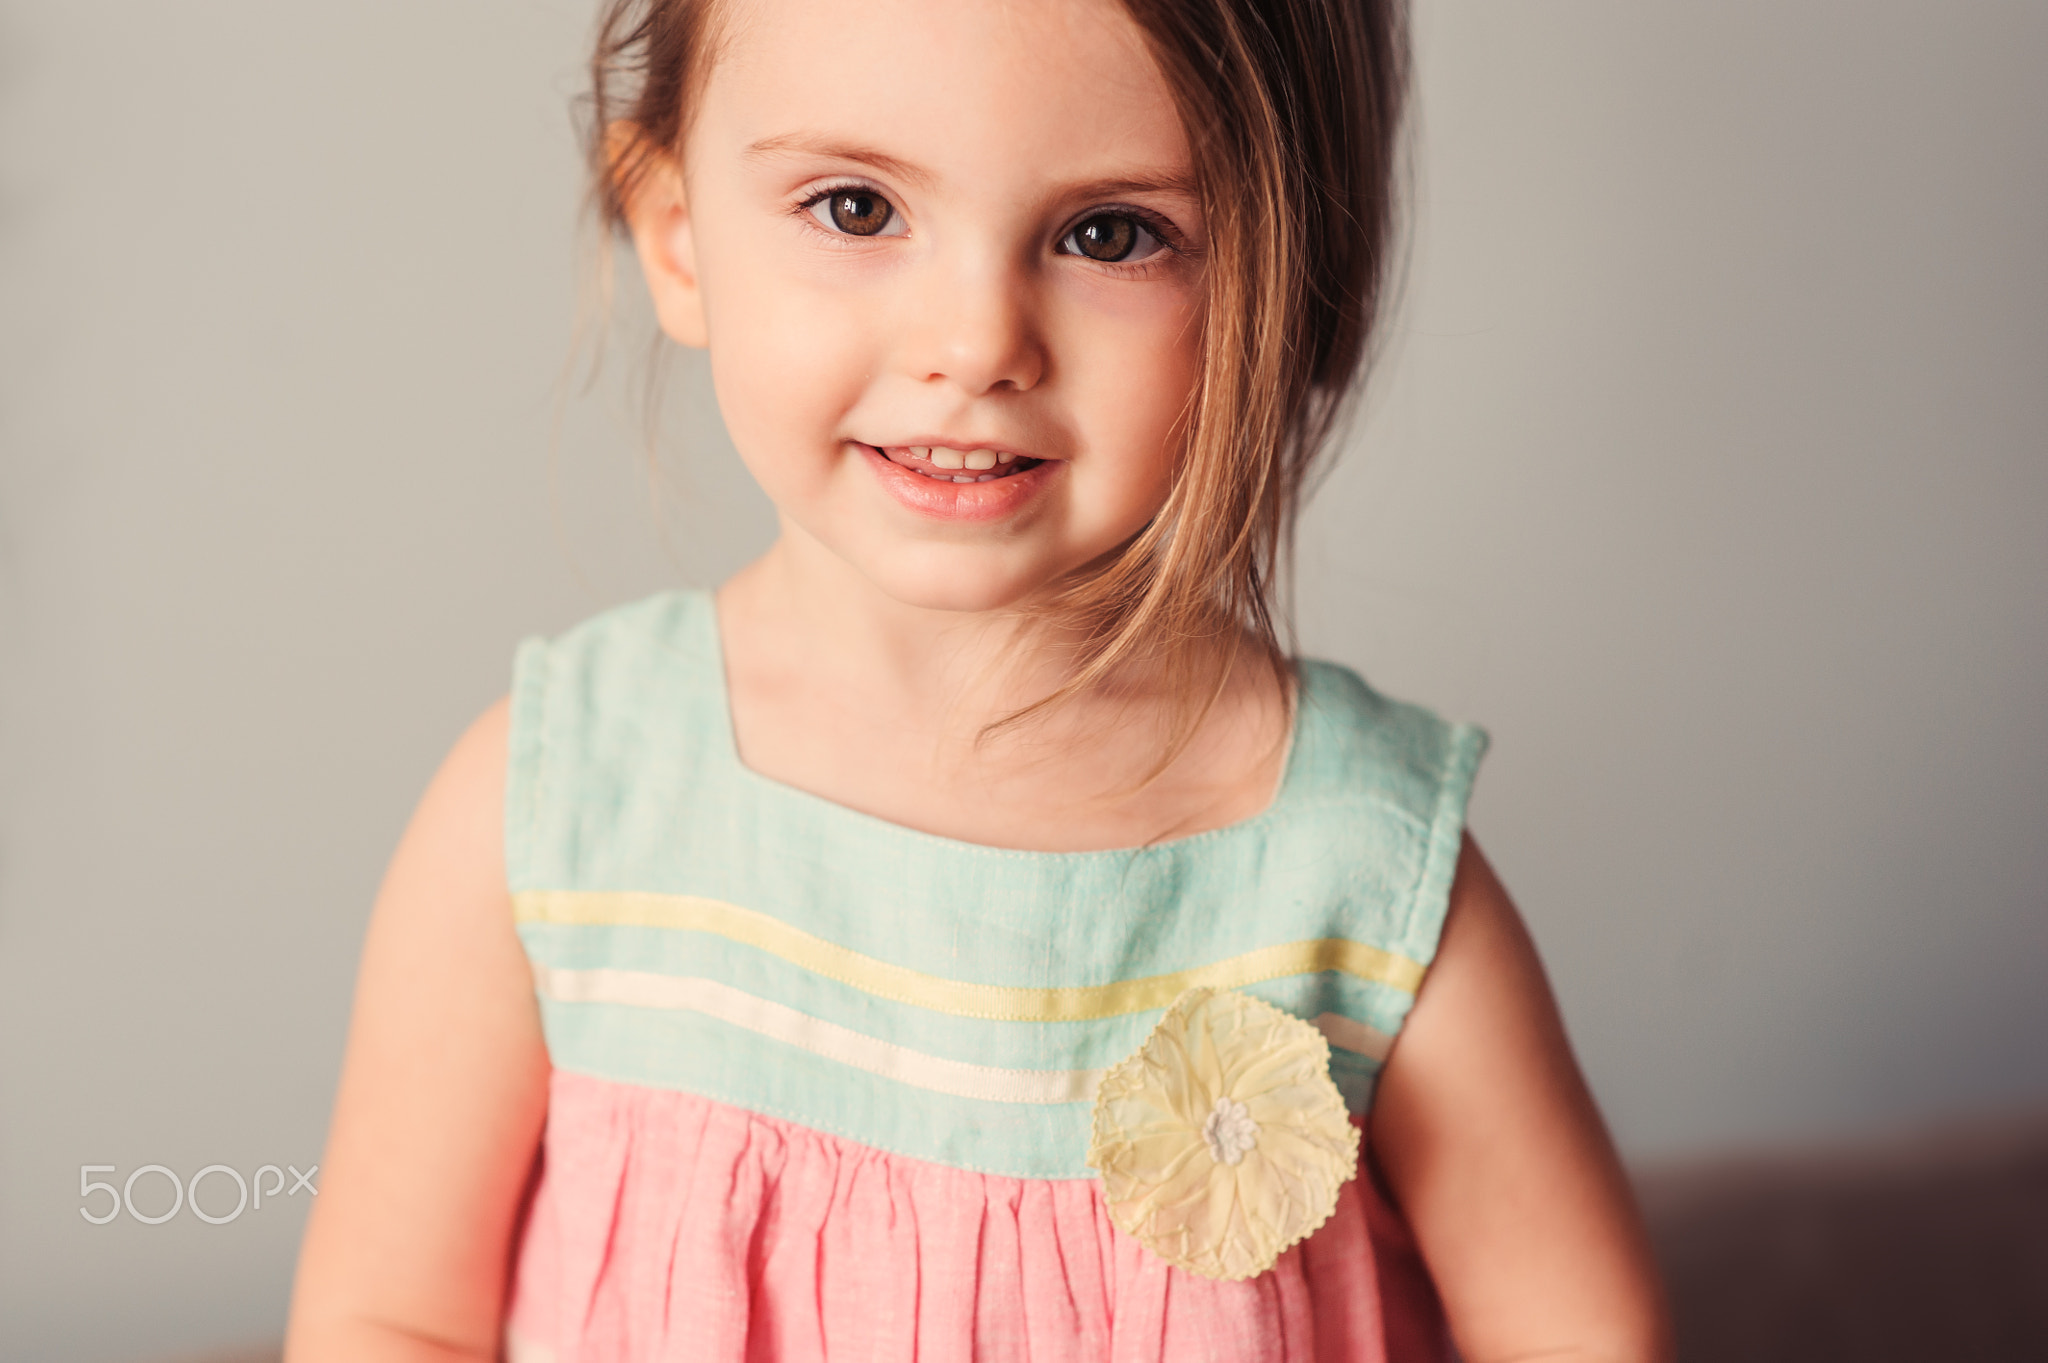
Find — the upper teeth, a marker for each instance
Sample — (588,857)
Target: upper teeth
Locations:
(945,458)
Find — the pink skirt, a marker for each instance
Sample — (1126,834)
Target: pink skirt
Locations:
(667,1226)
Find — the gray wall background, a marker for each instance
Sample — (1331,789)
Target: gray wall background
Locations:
(1708,467)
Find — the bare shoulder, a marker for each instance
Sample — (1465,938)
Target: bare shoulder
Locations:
(447,875)
(460,824)
(1492,1145)
(442,1095)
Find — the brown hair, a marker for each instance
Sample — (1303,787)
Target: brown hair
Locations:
(1292,109)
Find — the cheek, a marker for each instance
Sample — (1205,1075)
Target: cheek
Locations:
(1133,377)
(786,360)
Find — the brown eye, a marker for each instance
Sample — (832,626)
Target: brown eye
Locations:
(1112,237)
(859,212)
(1106,237)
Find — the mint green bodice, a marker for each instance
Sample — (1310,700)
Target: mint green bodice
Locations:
(696,926)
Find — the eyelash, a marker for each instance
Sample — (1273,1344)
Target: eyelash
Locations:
(1161,231)
(803,214)
(1170,245)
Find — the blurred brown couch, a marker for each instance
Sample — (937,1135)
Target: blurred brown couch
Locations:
(1932,1248)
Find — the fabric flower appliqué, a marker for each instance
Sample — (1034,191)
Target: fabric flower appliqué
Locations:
(1223,1140)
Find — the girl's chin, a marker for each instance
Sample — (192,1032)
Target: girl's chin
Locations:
(962,592)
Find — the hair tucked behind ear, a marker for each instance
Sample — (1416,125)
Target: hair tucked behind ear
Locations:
(645,67)
(1292,109)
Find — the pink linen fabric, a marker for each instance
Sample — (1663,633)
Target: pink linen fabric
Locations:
(665,1226)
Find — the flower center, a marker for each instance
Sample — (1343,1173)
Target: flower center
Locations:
(1229,1131)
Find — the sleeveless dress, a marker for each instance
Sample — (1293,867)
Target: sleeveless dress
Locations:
(823,1084)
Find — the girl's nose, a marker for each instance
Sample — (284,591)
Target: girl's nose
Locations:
(976,328)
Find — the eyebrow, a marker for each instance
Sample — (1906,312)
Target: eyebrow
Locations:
(1133,184)
(811,144)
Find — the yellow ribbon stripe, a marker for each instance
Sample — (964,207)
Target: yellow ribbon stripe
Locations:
(1003,1003)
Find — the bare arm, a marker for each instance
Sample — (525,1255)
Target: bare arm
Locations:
(443,1093)
(1497,1156)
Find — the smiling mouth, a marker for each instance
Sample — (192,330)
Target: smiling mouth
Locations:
(943,464)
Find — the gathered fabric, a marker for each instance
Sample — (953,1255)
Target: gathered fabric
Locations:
(665,1226)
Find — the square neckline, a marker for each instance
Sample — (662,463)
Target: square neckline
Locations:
(728,732)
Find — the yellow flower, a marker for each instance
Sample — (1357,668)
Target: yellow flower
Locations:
(1222,1141)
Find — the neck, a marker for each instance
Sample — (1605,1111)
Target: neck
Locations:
(840,689)
(966,668)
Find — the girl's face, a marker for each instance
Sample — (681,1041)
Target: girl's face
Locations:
(946,257)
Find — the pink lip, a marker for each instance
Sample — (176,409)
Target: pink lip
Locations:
(948,501)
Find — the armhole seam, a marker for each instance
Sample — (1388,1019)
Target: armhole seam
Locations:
(528,748)
(1466,744)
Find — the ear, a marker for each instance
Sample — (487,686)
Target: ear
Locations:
(658,215)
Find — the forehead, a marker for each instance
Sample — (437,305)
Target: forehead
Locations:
(1059,88)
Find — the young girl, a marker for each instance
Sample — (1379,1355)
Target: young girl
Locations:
(966,934)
